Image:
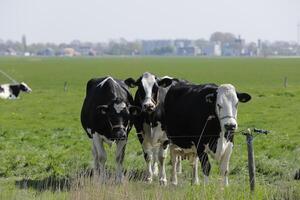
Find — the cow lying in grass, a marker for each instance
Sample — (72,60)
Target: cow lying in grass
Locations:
(12,91)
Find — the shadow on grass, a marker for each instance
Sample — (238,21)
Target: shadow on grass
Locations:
(56,184)
(49,183)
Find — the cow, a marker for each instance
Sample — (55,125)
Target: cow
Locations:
(201,120)
(106,116)
(12,91)
(150,123)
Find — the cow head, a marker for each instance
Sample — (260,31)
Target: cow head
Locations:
(25,88)
(226,103)
(118,115)
(147,92)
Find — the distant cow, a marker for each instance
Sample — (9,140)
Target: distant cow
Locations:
(201,120)
(12,91)
(106,117)
(150,96)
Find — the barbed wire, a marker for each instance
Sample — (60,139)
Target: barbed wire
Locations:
(24,137)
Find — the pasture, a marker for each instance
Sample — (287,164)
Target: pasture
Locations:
(43,147)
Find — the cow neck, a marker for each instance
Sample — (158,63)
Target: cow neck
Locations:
(15,89)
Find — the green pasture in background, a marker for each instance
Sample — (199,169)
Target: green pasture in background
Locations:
(41,134)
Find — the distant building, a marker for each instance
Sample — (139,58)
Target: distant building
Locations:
(70,52)
(86,51)
(208,49)
(180,43)
(46,52)
(10,52)
(26,54)
(188,51)
(234,48)
(217,49)
(149,47)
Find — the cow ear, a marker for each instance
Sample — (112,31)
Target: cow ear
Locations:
(165,82)
(134,110)
(243,97)
(130,82)
(102,109)
(210,98)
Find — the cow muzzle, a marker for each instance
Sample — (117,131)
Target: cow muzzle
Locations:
(230,127)
(149,107)
(229,123)
(119,134)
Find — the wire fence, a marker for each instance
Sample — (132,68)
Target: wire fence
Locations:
(8,76)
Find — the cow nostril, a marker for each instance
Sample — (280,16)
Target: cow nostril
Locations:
(230,126)
(148,107)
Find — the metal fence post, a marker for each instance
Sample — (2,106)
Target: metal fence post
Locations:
(65,86)
(251,162)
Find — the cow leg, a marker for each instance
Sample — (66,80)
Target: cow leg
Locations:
(179,167)
(194,163)
(120,153)
(224,164)
(96,169)
(205,165)
(174,160)
(155,151)
(163,149)
(100,157)
(149,159)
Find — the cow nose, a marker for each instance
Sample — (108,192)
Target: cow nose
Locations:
(230,127)
(121,135)
(149,107)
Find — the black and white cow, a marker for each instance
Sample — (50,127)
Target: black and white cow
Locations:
(201,120)
(106,116)
(150,97)
(12,91)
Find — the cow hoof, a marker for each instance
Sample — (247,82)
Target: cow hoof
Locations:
(149,180)
(174,183)
(195,182)
(163,182)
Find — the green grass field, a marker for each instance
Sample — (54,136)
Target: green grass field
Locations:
(42,143)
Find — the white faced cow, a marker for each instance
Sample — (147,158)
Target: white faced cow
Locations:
(12,91)
(201,120)
(106,116)
(150,96)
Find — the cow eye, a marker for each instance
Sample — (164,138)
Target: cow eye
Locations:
(219,106)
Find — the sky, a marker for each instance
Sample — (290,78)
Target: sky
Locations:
(102,20)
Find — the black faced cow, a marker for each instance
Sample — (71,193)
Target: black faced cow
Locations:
(106,117)
(149,125)
(12,91)
(200,120)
